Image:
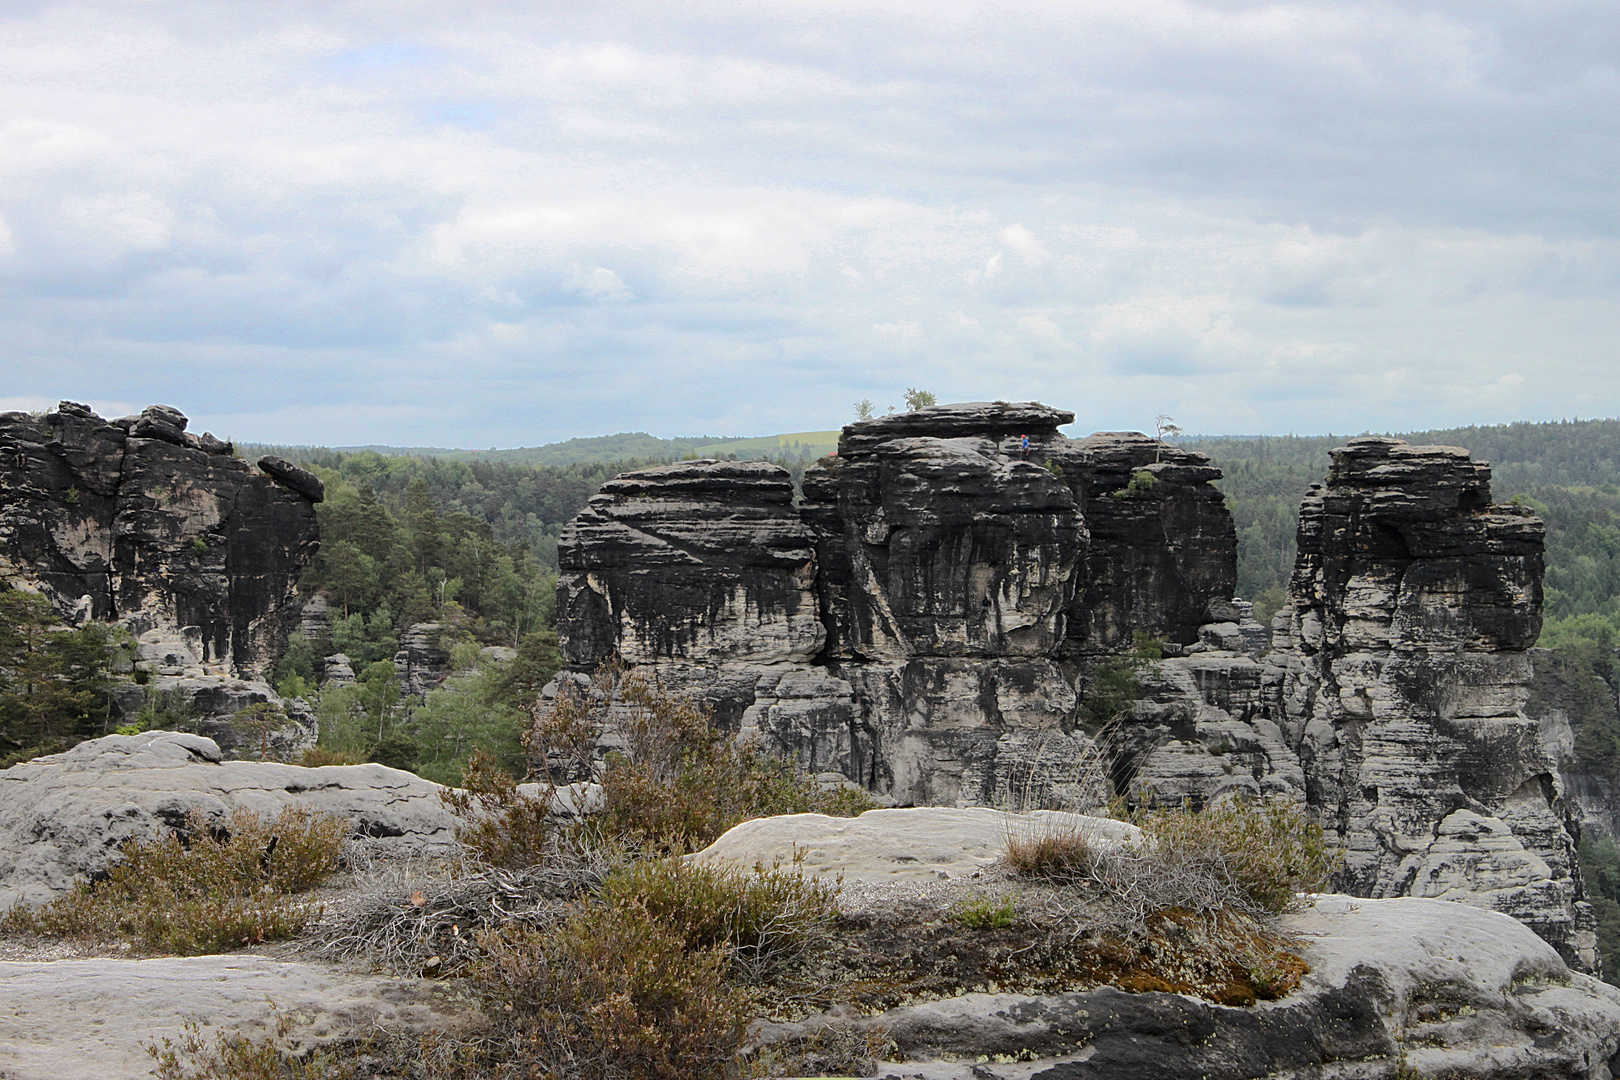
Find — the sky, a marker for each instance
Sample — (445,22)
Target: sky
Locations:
(499,224)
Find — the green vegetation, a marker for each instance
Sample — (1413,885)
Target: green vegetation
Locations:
(482,706)
(1116,683)
(201,889)
(1567,470)
(986,912)
(421,559)
(1252,856)
(1600,870)
(55,682)
(679,783)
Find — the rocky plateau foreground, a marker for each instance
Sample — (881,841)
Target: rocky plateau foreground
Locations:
(1396,988)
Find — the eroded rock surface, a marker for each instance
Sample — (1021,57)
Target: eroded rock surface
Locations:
(77,1019)
(908,625)
(917,843)
(139,522)
(1405,669)
(65,815)
(1397,988)
(967,592)
(421,662)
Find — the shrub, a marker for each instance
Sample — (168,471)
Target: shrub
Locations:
(986,912)
(1268,849)
(503,827)
(316,756)
(200,889)
(677,783)
(1054,854)
(612,993)
(1116,683)
(1243,856)
(764,921)
(240,1057)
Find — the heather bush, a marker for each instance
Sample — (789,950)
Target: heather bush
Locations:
(503,827)
(202,889)
(764,921)
(1242,855)
(1268,849)
(611,994)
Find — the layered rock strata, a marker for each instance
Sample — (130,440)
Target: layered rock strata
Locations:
(933,616)
(167,533)
(916,623)
(1404,672)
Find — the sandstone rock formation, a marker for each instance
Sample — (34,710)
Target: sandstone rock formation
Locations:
(917,622)
(1404,651)
(929,620)
(65,815)
(421,661)
(166,533)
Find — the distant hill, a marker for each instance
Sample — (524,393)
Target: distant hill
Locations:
(628,445)
(795,446)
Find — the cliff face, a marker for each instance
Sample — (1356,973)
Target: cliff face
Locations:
(167,533)
(930,619)
(1405,643)
(917,623)
(139,521)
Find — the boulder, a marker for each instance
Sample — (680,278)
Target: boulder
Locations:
(338,670)
(161,422)
(923,843)
(66,815)
(73,1019)
(302,481)
(245,718)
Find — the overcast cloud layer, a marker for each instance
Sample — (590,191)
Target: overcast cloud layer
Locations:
(504,224)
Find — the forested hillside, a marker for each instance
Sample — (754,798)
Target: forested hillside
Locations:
(620,448)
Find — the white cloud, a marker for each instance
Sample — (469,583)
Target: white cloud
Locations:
(1023,241)
(601,284)
(1250,215)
